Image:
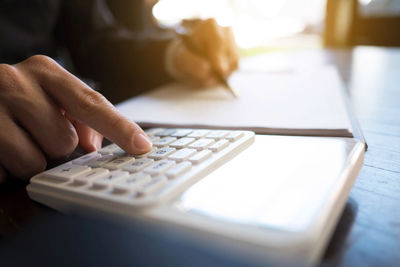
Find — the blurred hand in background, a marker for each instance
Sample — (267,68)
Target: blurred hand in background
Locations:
(203,49)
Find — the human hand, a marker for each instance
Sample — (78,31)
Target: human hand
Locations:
(45,111)
(207,48)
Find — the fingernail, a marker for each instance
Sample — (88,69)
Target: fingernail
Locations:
(142,142)
(98,142)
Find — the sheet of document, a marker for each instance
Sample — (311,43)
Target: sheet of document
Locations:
(295,103)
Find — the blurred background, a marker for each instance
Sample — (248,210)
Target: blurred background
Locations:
(263,25)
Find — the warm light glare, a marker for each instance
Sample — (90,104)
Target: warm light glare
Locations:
(364,2)
(254,22)
(268,193)
(171,12)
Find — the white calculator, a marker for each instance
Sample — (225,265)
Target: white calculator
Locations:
(116,180)
(275,201)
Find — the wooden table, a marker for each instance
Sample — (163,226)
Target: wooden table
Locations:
(368,233)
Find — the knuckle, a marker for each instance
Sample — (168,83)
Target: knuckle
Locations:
(6,68)
(90,100)
(39,60)
(211,22)
(9,78)
(40,64)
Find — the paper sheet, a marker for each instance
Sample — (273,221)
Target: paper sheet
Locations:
(298,103)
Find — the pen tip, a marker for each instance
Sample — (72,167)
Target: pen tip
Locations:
(233,93)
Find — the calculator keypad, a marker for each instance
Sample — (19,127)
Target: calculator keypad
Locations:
(178,155)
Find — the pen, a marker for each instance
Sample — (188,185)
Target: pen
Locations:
(221,79)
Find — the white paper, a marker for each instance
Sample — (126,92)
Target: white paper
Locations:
(297,103)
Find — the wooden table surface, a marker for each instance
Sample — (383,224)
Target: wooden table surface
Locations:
(368,233)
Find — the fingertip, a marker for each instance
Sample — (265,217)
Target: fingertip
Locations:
(87,146)
(141,143)
(89,139)
(97,141)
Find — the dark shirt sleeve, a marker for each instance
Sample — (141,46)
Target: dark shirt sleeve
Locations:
(118,57)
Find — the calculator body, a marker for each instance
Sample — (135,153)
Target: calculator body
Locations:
(278,201)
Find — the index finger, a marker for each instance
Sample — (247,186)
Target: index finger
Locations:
(89,107)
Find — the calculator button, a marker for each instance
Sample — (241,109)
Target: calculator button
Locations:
(154,138)
(66,172)
(137,165)
(138,156)
(153,131)
(132,182)
(166,132)
(234,136)
(86,158)
(198,133)
(108,149)
(178,169)
(182,142)
(101,161)
(201,143)
(182,154)
(164,141)
(219,145)
(90,176)
(119,152)
(200,156)
(162,153)
(181,132)
(217,134)
(159,167)
(111,178)
(152,186)
(118,162)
